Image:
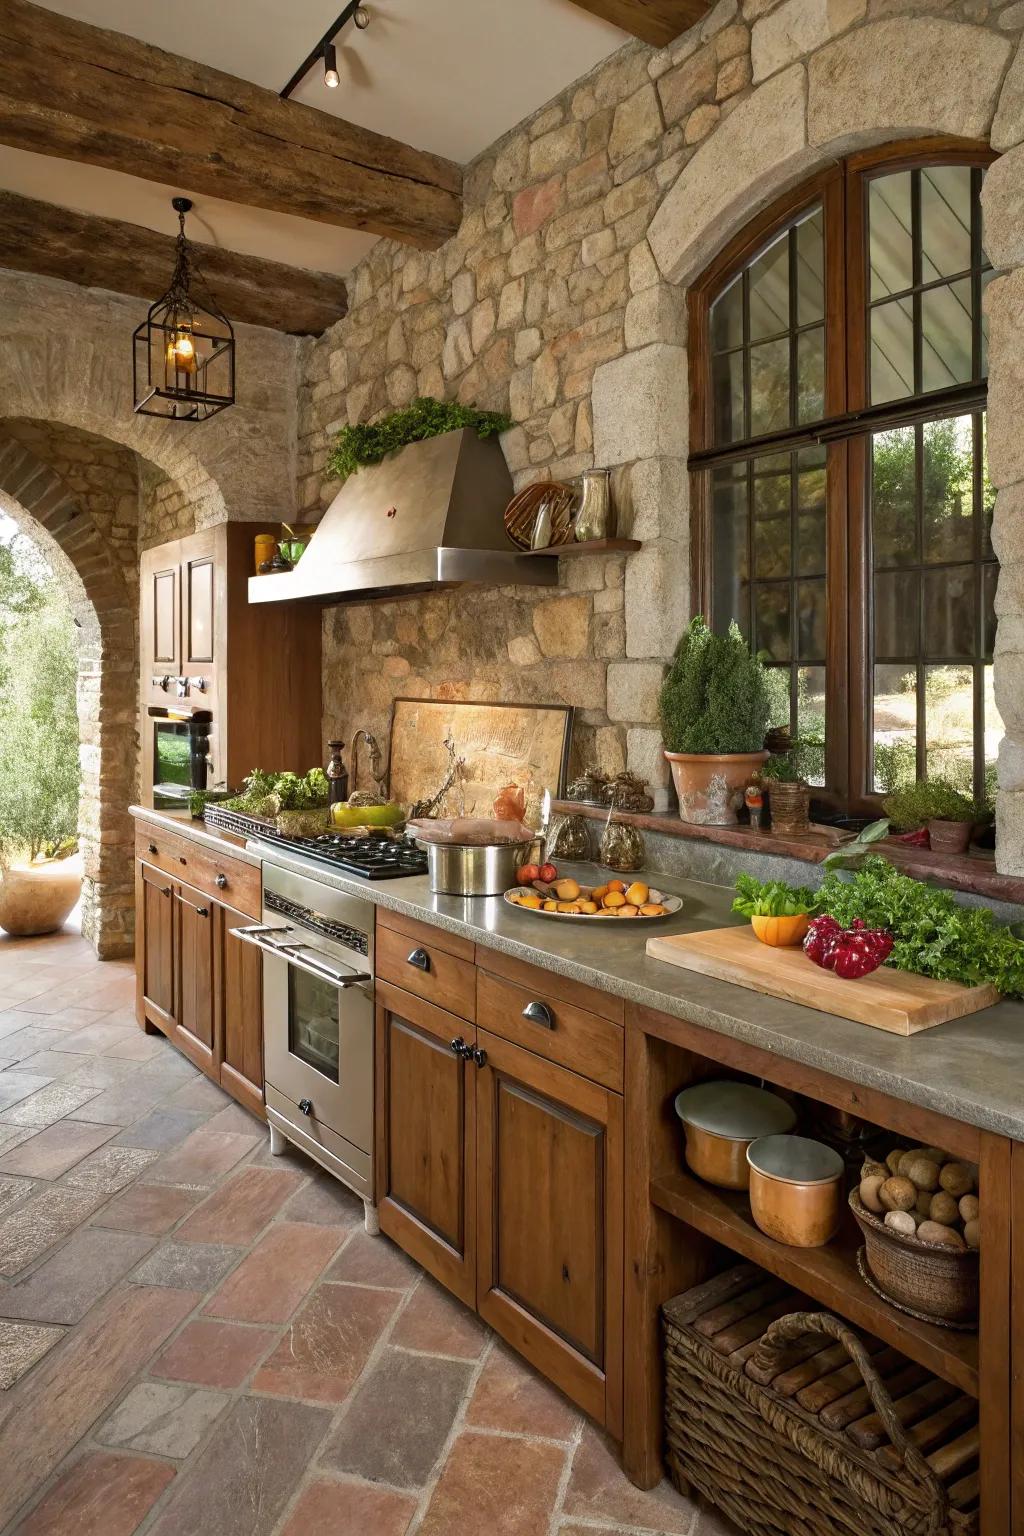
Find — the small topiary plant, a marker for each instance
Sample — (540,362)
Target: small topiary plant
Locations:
(929,800)
(426,417)
(716,697)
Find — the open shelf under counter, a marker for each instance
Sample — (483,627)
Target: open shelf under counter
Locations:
(828,1274)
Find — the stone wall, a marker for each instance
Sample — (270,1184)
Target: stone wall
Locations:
(563,299)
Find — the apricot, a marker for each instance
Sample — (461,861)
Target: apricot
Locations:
(599,892)
(588,906)
(550,906)
(616,885)
(567,890)
(533,902)
(652,909)
(629,910)
(615,899)
(637,893)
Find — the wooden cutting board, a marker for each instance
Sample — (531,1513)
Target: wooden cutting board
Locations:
(898,1001)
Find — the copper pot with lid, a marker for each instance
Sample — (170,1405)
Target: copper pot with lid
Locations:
(796,1189)
(721,1118)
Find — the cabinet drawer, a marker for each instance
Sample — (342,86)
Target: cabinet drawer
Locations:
(220,877)
(564,1033)
(426,933)
(419,965)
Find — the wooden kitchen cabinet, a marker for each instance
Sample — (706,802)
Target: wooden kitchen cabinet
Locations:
(240,994)
(194,1022)
(154,947)
(426,1118)
(549,1220)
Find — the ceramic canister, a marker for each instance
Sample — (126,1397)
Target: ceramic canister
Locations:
(796,1189)
(721,1119)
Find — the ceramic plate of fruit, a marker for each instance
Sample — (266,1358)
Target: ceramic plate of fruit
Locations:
(554,897)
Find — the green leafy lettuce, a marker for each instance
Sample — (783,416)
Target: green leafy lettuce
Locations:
(772,898)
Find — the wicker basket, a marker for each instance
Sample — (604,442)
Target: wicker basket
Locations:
(925,1279)
(739,1432)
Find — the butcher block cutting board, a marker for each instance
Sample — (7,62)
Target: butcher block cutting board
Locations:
(898,1001)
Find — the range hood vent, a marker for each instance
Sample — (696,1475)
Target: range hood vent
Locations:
(428,516)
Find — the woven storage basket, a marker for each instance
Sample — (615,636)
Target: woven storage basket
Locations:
(790,807)
(925,1279)
(738,1432)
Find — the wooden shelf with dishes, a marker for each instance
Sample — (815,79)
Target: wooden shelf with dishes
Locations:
(827,1274)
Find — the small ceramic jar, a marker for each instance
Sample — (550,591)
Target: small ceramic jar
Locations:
(721,1119)
(796,1189)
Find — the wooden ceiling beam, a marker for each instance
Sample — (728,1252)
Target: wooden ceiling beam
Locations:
(80,92)
(655,21)
(126,258)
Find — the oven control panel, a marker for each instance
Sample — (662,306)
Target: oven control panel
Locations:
(341,933)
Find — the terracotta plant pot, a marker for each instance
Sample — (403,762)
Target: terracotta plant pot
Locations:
(790,806)
(37,898)
(781,932)
(950,836)
(710,785)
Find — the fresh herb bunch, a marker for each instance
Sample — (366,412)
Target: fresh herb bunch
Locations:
(266,794)
(929,800)
(716,696)
(426,417)
(772,898)
(934,936)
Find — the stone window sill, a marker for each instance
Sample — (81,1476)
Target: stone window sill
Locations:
(972,872)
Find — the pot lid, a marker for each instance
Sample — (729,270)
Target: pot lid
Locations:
(795,1160)
(738,1111)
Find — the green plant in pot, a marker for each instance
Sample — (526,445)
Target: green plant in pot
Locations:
(715,706)
(949,815)
(789,794)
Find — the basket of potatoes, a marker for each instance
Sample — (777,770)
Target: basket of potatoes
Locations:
(920,1216)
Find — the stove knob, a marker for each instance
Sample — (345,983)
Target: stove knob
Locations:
(306,1106)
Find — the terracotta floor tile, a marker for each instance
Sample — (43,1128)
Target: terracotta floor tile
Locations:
(438,1324)
(328,1203)
(373,1261)
(31,1038)
(12,1190)
(21,1345)
(162,1419)
(51,1103)
(94,1039)
(271,1281)
(110,1169)
(55,1150)
(133,1045)
(40,1222)
(335,1508)
(598,1490)
(66,1286)
(201,1159)
(510,1395)
(16,1087)
(327,1345)
(101,1495)
(14,1135)
(199,1093)
(399,1420)
(241,1481)
(187,1266)
(212,1354)
(52,1410)
(161,1129)
(147,1208)
(502,1486)
(234,1118)
(240,1208)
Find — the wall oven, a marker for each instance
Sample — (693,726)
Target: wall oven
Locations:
(318,1024)
(181,754)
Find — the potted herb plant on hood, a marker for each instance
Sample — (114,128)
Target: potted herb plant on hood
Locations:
(715,706)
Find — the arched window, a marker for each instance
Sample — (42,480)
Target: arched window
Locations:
(842,504)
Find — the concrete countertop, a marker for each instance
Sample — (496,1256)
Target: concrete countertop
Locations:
(970,1069)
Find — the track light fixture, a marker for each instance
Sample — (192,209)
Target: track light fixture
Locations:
(355,12)
(361,17)
(331,76)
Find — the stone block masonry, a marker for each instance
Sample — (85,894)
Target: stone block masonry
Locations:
(562,300)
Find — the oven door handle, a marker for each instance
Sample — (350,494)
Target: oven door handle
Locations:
(299,954)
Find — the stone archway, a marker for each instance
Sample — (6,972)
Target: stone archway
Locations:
(104,610)
(820,98)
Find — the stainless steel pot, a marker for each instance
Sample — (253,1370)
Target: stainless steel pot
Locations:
(458,869)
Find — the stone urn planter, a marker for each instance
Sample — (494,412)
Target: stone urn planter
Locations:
(37,898)
(709,785)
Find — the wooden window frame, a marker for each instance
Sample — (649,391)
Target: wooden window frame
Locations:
(849,420)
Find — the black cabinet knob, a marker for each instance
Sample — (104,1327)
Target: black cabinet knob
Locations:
(221,882)
(306,1106)
(152,848)
(182,859)
(202,911)
(479,1056)
(419,958)
(459,1046)
(539,1013)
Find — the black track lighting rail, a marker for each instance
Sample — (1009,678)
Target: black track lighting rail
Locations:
(317,53)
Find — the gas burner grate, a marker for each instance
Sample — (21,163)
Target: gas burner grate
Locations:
(375,858)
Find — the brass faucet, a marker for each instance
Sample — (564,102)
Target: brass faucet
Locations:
(376,763)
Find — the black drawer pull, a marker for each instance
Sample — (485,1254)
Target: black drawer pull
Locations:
(306,1106)
(539,1013)
(221,882)
(460,1048)
(202,911)
(479,1056)
(419,958)
(153,848)
(182,859)
(166,891)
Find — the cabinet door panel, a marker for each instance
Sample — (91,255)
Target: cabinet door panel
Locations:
(165,617)
(195,974)
(155,946)
(425,1128)
(200,589)
(549,1221)
(241,1002)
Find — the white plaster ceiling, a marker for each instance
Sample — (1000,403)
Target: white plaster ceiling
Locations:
(449,76)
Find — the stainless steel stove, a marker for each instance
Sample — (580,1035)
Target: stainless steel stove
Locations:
(375,858)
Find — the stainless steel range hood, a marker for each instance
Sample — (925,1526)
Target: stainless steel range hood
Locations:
(430,515)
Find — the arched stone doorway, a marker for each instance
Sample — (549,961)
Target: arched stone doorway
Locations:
(104,607)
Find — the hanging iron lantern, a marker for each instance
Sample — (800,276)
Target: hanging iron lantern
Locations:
(183,359)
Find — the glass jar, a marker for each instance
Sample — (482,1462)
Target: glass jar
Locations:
(622,847)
